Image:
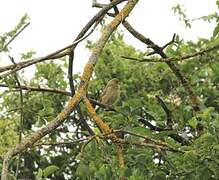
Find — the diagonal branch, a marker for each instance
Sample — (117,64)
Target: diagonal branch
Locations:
(96,4)
(104,127)
(159,50)
(71,57)
(6,45)
(175,69)
(81,92)
(171,42)
(64,51)
(167,111)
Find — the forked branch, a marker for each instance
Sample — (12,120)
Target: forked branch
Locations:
(80,93)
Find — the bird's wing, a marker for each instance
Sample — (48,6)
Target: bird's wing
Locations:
(104,92)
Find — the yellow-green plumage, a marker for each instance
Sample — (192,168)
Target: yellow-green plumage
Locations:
(111,92)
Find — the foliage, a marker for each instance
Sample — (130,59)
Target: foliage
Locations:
(177,9)
(181,12)
(5,37)
(141,82)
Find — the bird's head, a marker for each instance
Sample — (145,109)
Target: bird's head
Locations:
(113,81)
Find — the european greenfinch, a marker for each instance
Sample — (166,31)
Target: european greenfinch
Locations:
(111,93)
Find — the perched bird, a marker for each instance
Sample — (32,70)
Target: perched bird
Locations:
(111,92)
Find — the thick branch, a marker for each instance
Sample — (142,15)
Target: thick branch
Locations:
(96,4)
(81,92)
(62,52)
(104,127)
(186,84)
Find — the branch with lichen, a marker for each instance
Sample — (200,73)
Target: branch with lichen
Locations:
(63,51)
(80,93)
(160,51)
(146,141)
(104,127)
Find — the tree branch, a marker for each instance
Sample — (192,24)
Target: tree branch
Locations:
(81,91)
(6,45)
(171,59)
(159,50)
(39,89)
(21,123)
(167,111)
(175,69)
(58,91)
(176,137)
(64,51)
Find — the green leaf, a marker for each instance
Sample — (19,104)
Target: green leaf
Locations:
(206,114)
(163,134)
(27,55)
(49,170)
(216,30)
(82,170)
(193,122)
(215,68)
(142,131)
(216,147)
(39,174)
(208,138)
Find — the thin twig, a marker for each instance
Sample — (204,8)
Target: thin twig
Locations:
(76,99)
(163,47)
(175,136)
(70,72)
(57,54)
(167,111)
(6,45)
(59,91)
(170,163)
(71,59)
(149,145)
(64,143)
(21,123)
(39,89)
(84,122)
(87,142)
(60,53)
(171,42)
(141,60)
(175,69)
(171,59)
